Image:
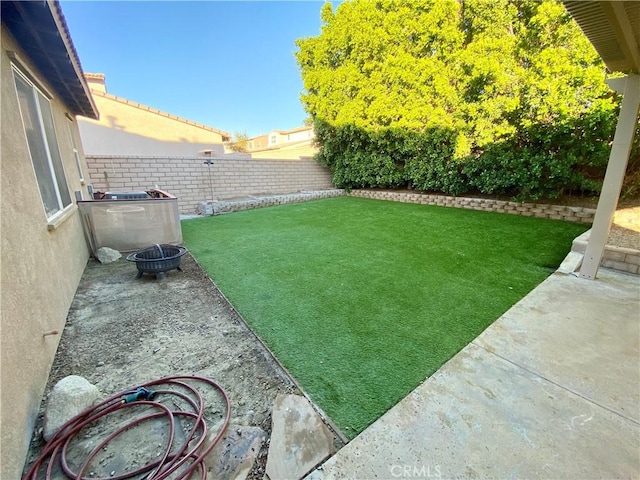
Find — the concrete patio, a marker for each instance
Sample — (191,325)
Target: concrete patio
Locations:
(550,390)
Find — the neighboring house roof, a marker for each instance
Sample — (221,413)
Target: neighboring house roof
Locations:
(613,27)
(41,30)
(94,76)
(226,136)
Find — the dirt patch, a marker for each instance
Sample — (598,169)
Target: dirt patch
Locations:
(122,332)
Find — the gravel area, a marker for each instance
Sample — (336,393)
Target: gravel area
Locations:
(625,231)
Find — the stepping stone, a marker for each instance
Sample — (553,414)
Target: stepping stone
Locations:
(299,439)
(234,455)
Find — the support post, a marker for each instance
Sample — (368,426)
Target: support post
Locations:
(629,86)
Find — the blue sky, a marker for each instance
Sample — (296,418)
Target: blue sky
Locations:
(229,65)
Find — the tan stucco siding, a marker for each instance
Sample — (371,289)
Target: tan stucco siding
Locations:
(288,152)
(298,136)
(40,268)
(101,140)
(132,129)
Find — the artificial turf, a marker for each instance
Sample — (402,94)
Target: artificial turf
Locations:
(362,299)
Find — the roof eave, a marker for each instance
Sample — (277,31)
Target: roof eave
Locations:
(613,28)
(42,33)
(61,23)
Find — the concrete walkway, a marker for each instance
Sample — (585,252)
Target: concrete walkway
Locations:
(551,390)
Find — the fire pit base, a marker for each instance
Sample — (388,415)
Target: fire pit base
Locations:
(159,275)
(157,259)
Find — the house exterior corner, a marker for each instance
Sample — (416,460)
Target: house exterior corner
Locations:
(44,251)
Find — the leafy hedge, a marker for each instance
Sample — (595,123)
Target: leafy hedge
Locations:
(540,161)
(546,161)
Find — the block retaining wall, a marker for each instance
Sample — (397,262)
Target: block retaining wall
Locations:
(188,177)
(557,212)
(617,258)
(259,202)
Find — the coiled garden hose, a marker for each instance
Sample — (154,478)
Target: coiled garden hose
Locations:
(178,461)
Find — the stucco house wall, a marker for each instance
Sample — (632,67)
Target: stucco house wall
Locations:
(259,142)
(129,128)
(296,135)
(288,151)
(41,266)
(282,137)
(284,144)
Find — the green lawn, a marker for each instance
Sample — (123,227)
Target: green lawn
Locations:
(362,299)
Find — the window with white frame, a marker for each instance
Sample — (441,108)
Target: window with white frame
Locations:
(76,156)
(39,129)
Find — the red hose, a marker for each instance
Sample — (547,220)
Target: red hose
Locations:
(181,464)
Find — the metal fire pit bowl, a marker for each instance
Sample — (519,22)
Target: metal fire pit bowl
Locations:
(157,259)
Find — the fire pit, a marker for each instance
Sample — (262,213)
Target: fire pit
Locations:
(157,259)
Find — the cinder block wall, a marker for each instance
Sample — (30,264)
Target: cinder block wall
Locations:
(617,258)
(558,212)
(188,178)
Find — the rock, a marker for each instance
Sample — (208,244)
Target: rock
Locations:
(108,255)
(69,397)
(235,453)
(299,439)
(205,208)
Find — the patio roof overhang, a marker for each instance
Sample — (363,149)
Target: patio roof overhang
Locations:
(613,28)
(41,30)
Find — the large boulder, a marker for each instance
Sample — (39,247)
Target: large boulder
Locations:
(108,255)
(70,396)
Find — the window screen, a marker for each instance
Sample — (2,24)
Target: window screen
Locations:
(43,146)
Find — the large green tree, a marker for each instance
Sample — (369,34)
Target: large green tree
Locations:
(419,91)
